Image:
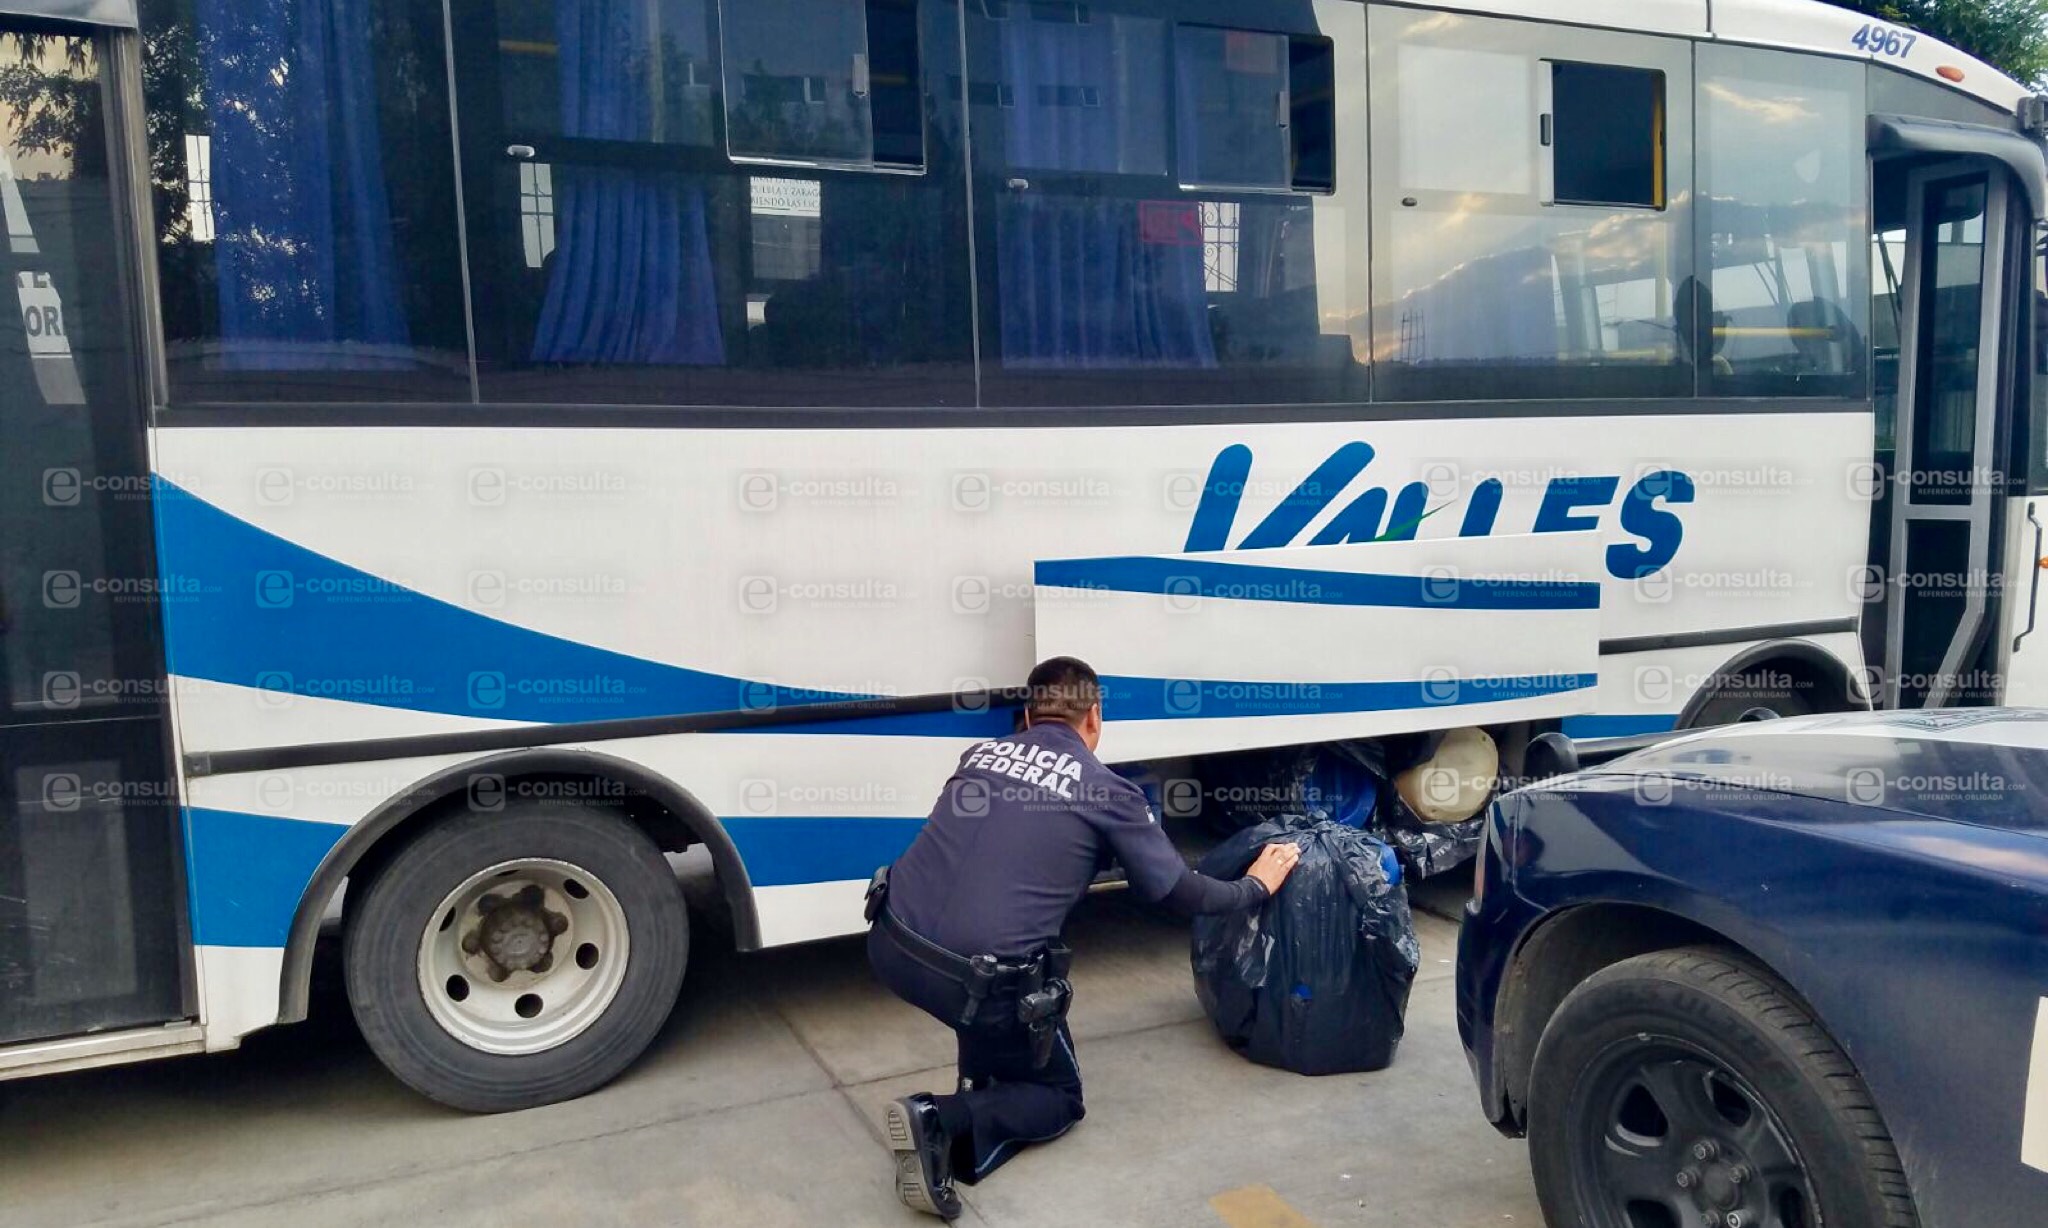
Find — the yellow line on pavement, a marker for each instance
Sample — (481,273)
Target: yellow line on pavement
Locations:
(1257,1206)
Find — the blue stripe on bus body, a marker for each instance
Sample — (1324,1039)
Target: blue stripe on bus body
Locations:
(788,852)
(248,608)
(1168,699)
(1599,726)
(246,873)
(1206,578)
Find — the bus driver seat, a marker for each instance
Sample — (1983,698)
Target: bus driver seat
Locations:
(1824,336)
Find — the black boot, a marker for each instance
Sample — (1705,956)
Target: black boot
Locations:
(924,1165)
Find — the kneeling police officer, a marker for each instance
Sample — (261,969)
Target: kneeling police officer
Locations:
(966,928)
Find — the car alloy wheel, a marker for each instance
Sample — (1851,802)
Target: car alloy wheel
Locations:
(1666,1136)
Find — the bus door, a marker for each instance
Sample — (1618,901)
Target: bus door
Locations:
(91,911)
(1945,491)
(2026,553)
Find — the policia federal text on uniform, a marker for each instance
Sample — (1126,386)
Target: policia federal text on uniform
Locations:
(966,928)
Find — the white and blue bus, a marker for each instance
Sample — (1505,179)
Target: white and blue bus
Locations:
(459,454)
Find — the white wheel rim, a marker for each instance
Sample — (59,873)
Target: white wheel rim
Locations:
(523,956)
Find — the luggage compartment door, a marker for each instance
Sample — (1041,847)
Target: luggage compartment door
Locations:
(1232,650)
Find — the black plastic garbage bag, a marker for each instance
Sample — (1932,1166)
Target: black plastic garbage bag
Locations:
(1427,849)
(1317,980)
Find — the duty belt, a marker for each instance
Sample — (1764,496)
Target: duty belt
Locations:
(1039,982)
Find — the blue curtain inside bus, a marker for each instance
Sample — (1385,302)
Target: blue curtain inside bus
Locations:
(304,245)
(1103,283)
(1099,282)
(630,279)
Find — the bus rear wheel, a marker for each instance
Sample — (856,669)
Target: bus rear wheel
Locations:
(517,957)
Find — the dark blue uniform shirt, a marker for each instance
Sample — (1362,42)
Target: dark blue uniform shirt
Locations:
(1019,833)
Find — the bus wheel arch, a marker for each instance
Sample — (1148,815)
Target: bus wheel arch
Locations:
(1785,677)
(665,811)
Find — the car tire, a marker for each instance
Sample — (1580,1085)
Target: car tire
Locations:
(1645,1106)
(517,957)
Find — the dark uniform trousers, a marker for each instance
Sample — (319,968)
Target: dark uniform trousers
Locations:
(1004,1100)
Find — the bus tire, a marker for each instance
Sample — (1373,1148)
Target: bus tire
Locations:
(1751,696)
(517,957)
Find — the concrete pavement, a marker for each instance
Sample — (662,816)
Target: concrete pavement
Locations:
(759,1105)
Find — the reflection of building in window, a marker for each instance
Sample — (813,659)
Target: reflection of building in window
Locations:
(199,186)
(537,211)
(1219,246)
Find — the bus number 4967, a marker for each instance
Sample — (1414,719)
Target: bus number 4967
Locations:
(1884,40)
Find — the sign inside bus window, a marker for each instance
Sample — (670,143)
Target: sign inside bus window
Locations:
(1169,223)
(775,197)
(1642,510)
(1884,40)
(42,314)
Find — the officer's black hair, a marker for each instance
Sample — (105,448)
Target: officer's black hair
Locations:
(1061,689)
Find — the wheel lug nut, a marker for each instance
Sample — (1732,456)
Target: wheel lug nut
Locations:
(1736,1219)
(1739,1174)
(1687,1179)
(1705,1150)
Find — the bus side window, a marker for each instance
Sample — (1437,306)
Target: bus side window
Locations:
(1785,215)
(1531,212)
(824,81)
(1605,135)
(1255,110)
(1163,216)
(667,210)
(307,233)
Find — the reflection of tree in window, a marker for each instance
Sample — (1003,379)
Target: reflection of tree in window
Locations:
(50,90)
(324,257)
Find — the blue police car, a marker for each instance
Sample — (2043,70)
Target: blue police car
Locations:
(1792,974)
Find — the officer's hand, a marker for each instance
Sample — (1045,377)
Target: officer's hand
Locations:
(1275,863)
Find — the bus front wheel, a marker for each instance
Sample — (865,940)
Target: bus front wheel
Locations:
(1758,694)
(517,957)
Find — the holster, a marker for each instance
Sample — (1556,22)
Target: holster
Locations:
(1044,996)
(878,895)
